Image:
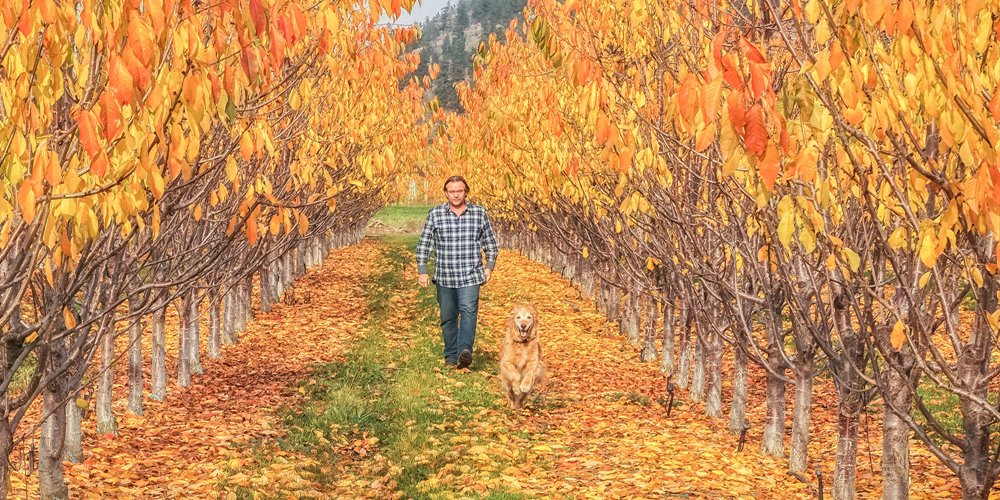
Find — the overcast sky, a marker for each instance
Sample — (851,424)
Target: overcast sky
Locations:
(422,12)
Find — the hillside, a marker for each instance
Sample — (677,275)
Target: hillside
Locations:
(450,38)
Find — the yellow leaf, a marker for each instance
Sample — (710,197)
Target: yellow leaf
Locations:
(977,277)
(898,337)
(31,338)
(853,259)
(924,278)
(928,250)
(785,228)
(897,239)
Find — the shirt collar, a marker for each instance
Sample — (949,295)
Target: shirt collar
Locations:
(468,205)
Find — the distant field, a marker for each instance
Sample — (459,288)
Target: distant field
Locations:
(398,219)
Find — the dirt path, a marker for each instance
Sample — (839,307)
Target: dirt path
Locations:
(596,431)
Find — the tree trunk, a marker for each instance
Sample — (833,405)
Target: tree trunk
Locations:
(846,468)
(266,288)
(51,484)
(667,361)
(300,259)
(106,423)
(850,389)
(194,341)
(6,448)
(698,378)
(183,338)
(774,422)
(799,455)
(976,472)
(738,412)
(229,306)
(684,350)
(629,325)
(74,434)
(158,357)
(135,365)
(648,352)
(896,440)
(289,268)
(713,405)
(214,330)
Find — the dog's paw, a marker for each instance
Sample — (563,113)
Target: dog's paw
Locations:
(525,388)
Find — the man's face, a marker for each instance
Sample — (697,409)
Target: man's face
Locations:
(456,193)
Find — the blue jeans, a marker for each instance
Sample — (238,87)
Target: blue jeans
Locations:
(459,309)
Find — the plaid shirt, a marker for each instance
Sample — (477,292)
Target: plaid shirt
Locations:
(459,241)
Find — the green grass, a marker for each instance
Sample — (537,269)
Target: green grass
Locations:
(23,374)
(392,386)
(943,406)
(402,218)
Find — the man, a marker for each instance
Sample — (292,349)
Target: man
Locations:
(459,232)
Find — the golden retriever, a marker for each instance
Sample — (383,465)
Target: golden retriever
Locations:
(521,366)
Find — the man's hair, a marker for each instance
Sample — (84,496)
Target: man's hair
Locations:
(456,178)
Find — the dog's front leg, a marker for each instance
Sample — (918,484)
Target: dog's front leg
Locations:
(510,373)
(529,376)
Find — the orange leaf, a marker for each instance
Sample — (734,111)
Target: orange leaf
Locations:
(111,118)
(730,74)
(717,42)
(751,51)
(625,159)
(756,131)
(898,336)
(705,137)
(120,81)
(768,167)
(246,146)
(853,116)
(603,129)
(687,97)
(873,10)
(259,16)
(88,132)
(710,100)
(252,231)
(737,111)
(26,202)
(99,164)
(582,68)
(758,80)
(303,224)
(53,170)
(994,105)
(904,16)
(836,56)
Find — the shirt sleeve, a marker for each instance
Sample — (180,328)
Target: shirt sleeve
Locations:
(426,242)
(489,241)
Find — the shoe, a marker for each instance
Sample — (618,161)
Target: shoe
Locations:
(450,363)
(464,359)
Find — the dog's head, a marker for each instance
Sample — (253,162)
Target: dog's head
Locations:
(523,322)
